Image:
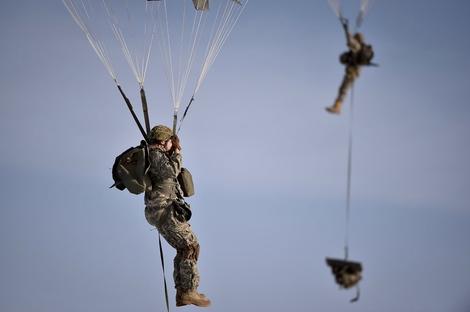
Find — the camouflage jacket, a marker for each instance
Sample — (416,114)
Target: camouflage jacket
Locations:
(163,172)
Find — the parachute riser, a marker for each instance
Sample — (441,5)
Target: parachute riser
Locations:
(175,122)
(185,112)
(131,109)
(145,109)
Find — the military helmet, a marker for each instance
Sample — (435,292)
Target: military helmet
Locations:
(160,133)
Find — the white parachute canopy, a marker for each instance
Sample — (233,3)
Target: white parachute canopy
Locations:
(362,7)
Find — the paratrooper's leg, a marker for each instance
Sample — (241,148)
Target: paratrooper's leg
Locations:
(180,236)
(351,73)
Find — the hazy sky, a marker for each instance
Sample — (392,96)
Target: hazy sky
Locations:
(268,162)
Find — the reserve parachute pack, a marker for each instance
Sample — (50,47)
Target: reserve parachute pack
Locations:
(130,172)
(185,179)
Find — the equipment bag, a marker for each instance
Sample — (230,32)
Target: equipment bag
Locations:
(182,210)
(185,179)
(130,170)
(365,55)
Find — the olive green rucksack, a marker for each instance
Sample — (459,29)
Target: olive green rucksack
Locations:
(130,170)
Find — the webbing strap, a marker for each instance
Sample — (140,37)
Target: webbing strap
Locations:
(143,98)
(164,275)
(185,112)
(131,110)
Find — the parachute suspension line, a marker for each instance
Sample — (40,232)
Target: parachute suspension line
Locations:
(229,19)
(206,53)
(336,7)
(96,44)
(349,174)
(186,68)
(215,34)
(145,65)
(182,42)
(153,30)
(364,9)
(198,18)
(221,29)
(138,65)
(165,48)
(178,73)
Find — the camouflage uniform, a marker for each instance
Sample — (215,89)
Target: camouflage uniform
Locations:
(355,44)
(352,71)
(159,212)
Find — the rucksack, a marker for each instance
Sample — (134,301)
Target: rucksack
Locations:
(130,170)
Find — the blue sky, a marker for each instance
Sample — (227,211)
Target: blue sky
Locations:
(269,165)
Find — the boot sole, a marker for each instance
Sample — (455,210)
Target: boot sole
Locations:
(183,303)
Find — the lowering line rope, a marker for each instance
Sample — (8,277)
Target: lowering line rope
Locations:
(349,173)
(164,275)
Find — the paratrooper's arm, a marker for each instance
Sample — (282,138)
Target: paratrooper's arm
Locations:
(345,23)
(176,162)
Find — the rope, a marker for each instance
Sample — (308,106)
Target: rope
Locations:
(349,173)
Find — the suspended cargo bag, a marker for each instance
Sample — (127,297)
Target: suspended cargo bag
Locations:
(347,273)
(130,170)
(185,179)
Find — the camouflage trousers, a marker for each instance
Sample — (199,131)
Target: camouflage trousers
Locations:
(179,235)
(351,73)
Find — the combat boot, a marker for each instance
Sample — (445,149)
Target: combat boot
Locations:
(191,297)
(335,109)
